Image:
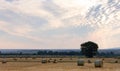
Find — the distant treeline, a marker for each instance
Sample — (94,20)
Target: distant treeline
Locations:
(70,53)
(58,53)
(45,52)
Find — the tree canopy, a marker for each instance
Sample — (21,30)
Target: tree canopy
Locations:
(89,49)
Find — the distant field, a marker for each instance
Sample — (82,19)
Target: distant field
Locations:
(66,64)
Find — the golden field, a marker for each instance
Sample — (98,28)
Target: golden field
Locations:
(66,64)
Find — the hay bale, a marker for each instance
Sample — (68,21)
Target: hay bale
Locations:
(116,61)
(4,62)
(33,58)
(98,63)
(103,59)
(14,59)
(43,61)
(80,62)
(71,58)
(49,61)
(60,59)
(89,61)
(54,61)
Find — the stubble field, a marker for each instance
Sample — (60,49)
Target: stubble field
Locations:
(63,64)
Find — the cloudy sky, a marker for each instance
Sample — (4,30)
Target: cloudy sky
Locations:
(59,24)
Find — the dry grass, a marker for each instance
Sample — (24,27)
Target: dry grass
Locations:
(65,65)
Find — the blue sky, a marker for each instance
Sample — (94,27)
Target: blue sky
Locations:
(59,24)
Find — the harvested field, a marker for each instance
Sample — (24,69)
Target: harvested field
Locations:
(65,65)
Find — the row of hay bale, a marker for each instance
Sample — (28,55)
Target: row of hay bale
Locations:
(97,63)
(48,61)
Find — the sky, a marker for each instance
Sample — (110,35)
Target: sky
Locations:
(59,24)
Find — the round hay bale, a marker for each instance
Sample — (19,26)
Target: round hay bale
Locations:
(54,61)
(80,62)
(116,61)
(71,58)
(48,61)
(14,59)
(44,61)
(4,62)
(98,63)
(60,59)
(89,61)
(33,58)
(103,59)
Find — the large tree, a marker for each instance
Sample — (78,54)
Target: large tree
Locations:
(89,49)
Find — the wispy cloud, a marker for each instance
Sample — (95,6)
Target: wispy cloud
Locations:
(58,23)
